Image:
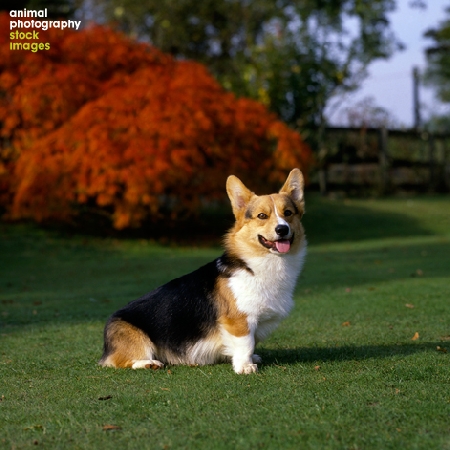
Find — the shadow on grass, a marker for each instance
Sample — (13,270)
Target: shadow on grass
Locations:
(87,290)
(52,277)
(342,353)
(327,221)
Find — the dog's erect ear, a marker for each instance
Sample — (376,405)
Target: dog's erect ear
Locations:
(238,193)
(294,186)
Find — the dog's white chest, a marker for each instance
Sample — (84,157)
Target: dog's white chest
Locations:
(266,295)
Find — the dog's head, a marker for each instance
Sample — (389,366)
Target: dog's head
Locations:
(268,223)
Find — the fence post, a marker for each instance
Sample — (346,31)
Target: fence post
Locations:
(432,180)
(323,180)
(446,172)
(382,159)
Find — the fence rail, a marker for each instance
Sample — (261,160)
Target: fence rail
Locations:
(381,160)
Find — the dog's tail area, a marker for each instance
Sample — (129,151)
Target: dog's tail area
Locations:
(126,346)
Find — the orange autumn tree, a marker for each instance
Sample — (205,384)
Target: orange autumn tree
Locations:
(103,121)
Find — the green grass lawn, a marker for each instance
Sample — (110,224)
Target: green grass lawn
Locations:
(342,372)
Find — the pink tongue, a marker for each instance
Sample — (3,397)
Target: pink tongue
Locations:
(283,246)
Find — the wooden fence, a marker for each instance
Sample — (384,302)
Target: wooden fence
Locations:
(381,161)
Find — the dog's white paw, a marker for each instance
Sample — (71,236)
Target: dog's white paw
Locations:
(246,369)
(147,364)
(256,359)
(250,368)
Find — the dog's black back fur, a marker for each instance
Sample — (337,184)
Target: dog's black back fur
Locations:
(162,313)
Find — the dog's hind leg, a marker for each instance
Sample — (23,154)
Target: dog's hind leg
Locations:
(128,346)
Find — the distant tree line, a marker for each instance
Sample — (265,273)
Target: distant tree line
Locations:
(295,56)
(292,55)
(437,74)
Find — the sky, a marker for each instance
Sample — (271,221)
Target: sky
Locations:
(390,81)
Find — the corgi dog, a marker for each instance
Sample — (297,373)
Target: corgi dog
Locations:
(219,312)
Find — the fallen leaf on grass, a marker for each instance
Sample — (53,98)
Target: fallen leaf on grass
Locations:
(445,338)
(348,289)
(34,427)
(2,398)
(107,397)
(415,337)
(165,389)
(316,367)
(441,349)
(346,324)
(409,305)
(111,427)
(417,273)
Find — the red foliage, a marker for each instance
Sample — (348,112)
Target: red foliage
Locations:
(102,120)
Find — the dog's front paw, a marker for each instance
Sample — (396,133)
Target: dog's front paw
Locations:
(250,368)
(246,369)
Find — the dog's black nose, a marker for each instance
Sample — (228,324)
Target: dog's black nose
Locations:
(282,230)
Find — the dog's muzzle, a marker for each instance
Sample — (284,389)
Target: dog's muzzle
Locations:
(280,245)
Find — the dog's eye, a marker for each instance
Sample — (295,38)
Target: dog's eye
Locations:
(287,213)
(262,216)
